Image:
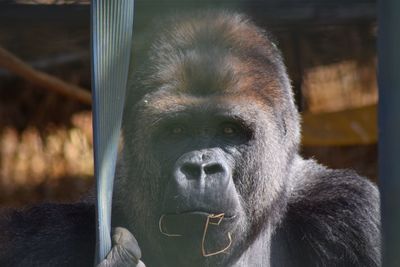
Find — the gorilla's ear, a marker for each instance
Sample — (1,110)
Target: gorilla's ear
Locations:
(284,126)
(289,124)
(283,118)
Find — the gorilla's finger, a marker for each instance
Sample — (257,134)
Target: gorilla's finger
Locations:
(125,251)
(123,237)
(120,257)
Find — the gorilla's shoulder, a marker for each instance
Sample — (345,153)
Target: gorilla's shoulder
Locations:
(48,235)
(313,185)
(332,219)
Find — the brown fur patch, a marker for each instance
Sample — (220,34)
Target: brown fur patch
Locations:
(221,54)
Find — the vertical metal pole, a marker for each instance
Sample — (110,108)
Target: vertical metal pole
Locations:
(112,24)
(389,127)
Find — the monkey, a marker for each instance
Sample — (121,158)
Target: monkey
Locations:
(210,172)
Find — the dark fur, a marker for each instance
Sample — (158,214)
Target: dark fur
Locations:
(48,235)
(293,212)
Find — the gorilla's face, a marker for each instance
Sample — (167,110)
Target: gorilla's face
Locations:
(198,150)
(199,146)
(209,133)
(206,155)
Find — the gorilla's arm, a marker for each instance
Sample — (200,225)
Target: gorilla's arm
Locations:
(48,235)
(333,219)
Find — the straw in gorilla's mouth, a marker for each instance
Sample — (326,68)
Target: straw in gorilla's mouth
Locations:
(197,223)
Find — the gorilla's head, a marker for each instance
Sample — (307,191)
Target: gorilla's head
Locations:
(210,127)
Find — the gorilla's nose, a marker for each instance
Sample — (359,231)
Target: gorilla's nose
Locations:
(201,181)
(199,170)
(198,165)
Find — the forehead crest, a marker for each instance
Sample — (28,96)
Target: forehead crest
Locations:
(203,56)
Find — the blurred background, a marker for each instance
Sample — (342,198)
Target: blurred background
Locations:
(45,132)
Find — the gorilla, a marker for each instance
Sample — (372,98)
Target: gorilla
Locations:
(210,172)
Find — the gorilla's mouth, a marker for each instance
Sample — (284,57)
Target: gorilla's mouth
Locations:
(213,228)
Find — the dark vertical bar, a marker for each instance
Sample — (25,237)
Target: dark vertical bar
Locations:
(389,127)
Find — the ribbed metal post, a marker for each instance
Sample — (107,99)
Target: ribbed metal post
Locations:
(112,23)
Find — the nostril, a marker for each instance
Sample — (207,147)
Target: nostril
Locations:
(191,170)
(213,168)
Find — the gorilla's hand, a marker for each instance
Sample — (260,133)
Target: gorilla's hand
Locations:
(125,251)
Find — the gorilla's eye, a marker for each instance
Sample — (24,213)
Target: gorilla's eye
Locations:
(236,132)
(228,130)
(231,129)
(177,130)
